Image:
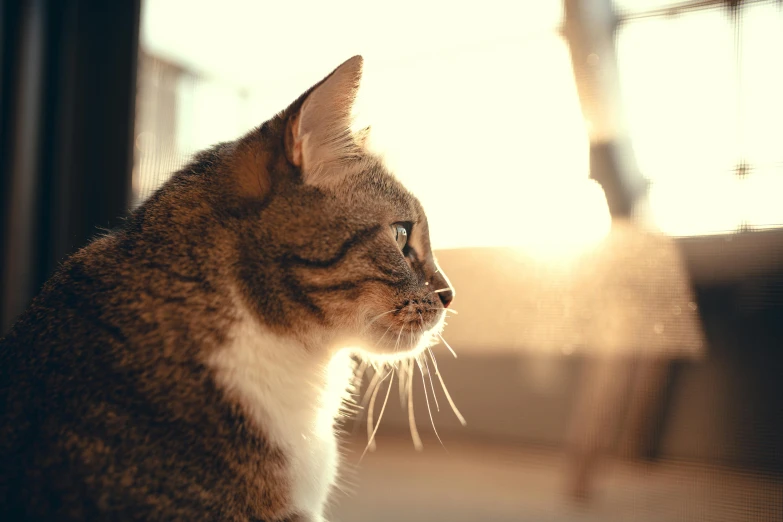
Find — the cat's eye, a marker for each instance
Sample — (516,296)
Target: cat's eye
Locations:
(400,234)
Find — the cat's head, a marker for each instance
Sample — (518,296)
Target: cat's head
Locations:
(336,244)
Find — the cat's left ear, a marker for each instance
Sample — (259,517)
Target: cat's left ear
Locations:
(318,133)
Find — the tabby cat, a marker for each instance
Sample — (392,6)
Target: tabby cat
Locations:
(188,366)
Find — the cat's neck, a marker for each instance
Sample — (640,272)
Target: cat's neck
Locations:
(293,394)
(271,370)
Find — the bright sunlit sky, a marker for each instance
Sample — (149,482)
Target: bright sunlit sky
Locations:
(476,109)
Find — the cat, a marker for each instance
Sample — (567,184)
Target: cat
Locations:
(190,365)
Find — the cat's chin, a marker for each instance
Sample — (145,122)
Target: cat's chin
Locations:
(404,345)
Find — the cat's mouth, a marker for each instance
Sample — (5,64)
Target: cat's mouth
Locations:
(405,332)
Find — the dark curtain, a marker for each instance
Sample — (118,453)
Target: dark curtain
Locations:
(67,92)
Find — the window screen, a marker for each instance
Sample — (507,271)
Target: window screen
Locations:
(701,84)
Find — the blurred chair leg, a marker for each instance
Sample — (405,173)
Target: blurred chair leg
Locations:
(639,434)
(601,403)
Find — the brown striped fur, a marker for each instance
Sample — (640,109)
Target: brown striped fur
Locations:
(109,409)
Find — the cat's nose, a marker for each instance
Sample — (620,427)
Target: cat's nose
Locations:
(446,297)
(442,286)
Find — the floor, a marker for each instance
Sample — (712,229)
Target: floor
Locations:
(471,482)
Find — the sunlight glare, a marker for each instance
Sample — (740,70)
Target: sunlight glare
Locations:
(485,127)
(489,150)
(696,114)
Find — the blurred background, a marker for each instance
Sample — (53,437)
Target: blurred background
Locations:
(604,184)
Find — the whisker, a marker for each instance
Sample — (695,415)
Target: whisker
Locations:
(370,428)
(399,335)
(446,391)
(448,346)
(426,398)
(402,372)
(434,395)
(371,442)
(411,419)
(374,383)
(384,313)
(378,317)
(404,369)
(429,374)
(441,290)
(384,335)
(439,309)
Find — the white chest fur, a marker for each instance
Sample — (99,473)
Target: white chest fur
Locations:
(294,396)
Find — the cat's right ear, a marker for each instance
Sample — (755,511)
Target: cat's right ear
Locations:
(318,131)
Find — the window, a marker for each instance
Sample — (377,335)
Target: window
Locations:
(475,106)
(701,89)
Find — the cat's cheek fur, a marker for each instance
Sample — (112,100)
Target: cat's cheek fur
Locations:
(293,396)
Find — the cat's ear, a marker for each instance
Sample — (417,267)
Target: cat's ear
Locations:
(318,133)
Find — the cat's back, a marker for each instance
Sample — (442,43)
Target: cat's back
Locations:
(57,360)
(72,295)
(102,397)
